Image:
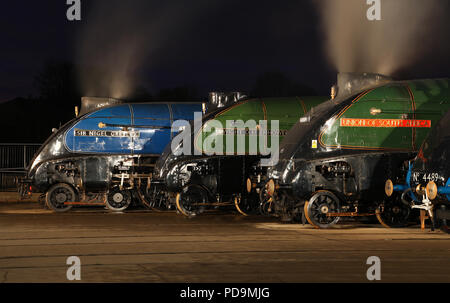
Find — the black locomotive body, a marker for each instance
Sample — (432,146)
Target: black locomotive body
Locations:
(205,180)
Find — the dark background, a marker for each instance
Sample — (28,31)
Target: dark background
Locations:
(263,48)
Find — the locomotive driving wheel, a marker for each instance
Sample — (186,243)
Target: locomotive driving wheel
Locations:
(58,195)
(393,214)
(246,204)
(154,200)
(118,200)
(316,209)
(192,200)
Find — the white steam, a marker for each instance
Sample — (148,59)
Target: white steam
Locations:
(409,30)
(119,37)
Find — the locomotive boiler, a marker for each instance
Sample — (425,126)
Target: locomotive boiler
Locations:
(334,162)
(424,183)
(218,171)
(105,155)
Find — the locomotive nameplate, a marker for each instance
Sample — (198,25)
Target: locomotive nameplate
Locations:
(388,123)
(250,132)
(106,133)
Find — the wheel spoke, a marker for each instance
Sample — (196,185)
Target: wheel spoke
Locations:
(58,195)
(320,204)
(395,214)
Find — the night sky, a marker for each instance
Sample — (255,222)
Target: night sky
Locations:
(225,47)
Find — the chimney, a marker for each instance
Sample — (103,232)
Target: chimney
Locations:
(218,100)
(89,104)
(351,83)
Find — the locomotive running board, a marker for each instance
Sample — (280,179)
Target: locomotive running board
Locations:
(351,214)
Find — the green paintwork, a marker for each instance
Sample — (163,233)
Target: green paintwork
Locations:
(409,100)
(285,110)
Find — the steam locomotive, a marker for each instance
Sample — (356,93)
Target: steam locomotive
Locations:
(105,154)
(224,172)
(425,183)
(334,162)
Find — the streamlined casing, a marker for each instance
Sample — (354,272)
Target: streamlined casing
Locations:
(348,145)
(87,150)
(226,173)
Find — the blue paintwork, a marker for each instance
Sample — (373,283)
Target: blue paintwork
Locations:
(184,111)
(403,187)
(400,188)
(151,141)
(445,190)
(408,181)
(138,128)
(114,111)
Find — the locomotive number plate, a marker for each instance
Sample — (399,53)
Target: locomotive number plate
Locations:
(424,177)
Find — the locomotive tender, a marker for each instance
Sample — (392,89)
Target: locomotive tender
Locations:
(334,162)
(105,154)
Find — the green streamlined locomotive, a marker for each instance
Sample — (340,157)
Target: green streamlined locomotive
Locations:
(334,162)
(225,153)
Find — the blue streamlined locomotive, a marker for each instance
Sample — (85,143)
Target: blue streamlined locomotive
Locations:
(103,155)
(424,183)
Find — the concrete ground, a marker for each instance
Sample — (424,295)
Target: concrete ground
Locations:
(141,246)
(13,196)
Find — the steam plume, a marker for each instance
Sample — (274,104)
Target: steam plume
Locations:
(409,29)
(119,37)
